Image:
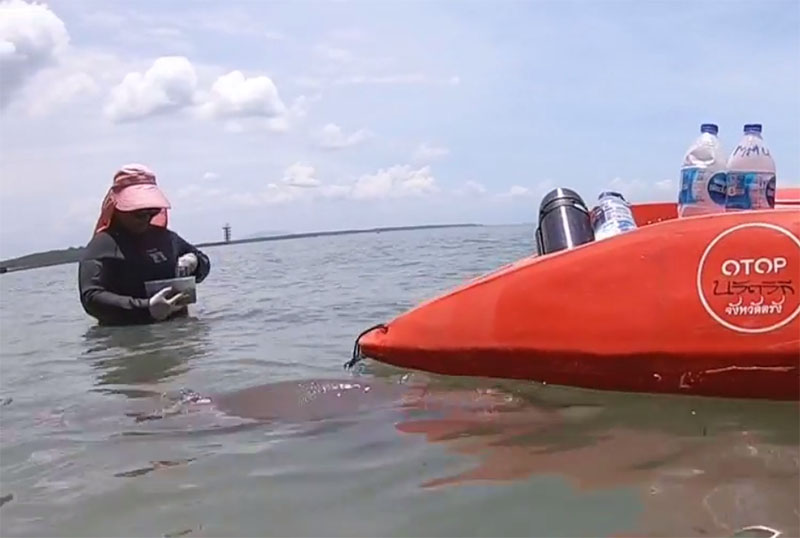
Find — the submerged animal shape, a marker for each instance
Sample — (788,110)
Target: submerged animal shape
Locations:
(319,399)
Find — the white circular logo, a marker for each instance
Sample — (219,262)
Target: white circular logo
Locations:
(748,279)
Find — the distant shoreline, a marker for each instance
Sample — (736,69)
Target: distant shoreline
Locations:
(73,254)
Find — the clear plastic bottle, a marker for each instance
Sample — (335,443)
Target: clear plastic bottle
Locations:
(751,173)
(703,175)
(612,215)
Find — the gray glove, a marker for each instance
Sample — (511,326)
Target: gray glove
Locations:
(161,308)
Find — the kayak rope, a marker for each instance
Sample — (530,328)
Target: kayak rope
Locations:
(357,356)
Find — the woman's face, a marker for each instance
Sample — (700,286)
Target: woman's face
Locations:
(135,222)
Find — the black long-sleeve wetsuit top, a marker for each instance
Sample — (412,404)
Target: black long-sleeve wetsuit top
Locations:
(116,264)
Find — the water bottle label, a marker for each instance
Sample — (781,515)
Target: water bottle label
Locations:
(770,192)
(718,188)
(611,217)
(750,190)
(688,178)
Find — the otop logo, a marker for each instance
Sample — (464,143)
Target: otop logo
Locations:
(748,276)
(748,266)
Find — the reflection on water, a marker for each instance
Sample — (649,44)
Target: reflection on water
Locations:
(126,358)
(691,480)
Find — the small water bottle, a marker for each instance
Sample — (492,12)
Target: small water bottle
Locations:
(612,215)
(751,173)
(703,175)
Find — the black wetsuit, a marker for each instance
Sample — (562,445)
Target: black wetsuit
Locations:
(116,264)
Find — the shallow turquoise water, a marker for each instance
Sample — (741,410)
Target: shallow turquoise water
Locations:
(418,455)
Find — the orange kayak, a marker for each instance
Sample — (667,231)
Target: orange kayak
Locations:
(705,305)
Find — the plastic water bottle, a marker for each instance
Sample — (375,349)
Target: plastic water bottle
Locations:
(612,215)
(751,173)
(703,177)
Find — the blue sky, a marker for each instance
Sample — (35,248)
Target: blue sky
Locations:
(301,116)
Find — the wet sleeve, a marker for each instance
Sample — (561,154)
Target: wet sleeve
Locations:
(203,263)
(104,304)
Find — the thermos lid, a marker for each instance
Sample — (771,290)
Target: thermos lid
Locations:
(561,196)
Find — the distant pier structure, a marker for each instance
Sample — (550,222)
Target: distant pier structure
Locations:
(226,230)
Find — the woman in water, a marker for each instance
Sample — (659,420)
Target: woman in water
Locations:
(132,245)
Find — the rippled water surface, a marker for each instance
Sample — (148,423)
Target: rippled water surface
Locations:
(240,421)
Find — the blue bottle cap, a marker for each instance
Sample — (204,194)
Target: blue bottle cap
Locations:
(752,128)
(709,128)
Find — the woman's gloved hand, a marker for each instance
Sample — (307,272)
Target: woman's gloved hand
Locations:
(161,308)
(186,265)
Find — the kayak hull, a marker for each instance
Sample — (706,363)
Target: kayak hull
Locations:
(774,378)
(705,305)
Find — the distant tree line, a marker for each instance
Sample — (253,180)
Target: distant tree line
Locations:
(73,254)
(42,259)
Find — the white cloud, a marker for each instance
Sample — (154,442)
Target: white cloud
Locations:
(77,78)
(331,136)
(235,96)
(299,108)
(426,153)
(62,88)
(300,175)
(273,194)
(31,38)
(169,84)
(334,54)
(249,125)
(520,192)
(299,182)
(210,176)
(517,191)
(475,187)
(234,126)
(395,182)
(335,191)
(471,188)
(665,185)
(278,194)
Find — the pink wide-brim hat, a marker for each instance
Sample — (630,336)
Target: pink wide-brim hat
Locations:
(134,187)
